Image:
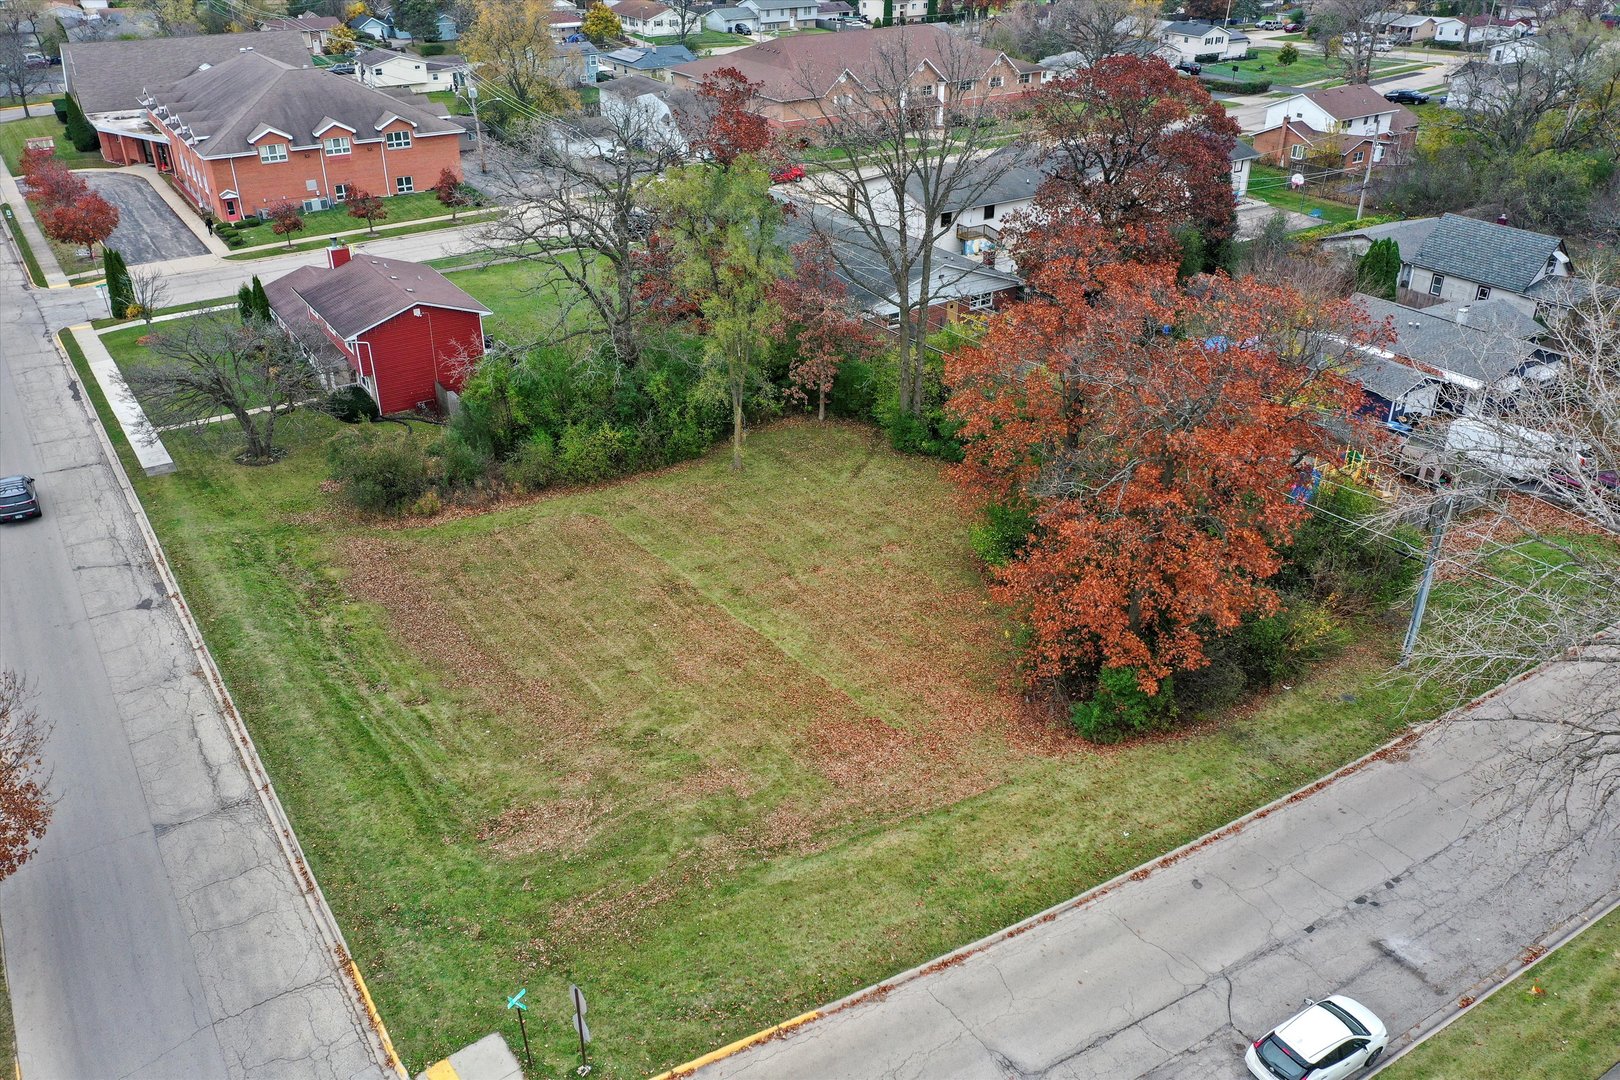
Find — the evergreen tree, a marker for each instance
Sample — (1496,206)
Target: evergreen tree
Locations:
(79,132)
(261,302)
(1380,269)
(120,289)
(244,303)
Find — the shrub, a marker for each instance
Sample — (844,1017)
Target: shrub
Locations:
(1120,708)
(586,455)
(1277,647)
(1214,686)
(428,505)
(1334,558)
(534,466)
(431,48)
(1002,534)
(461,463)
(351,404)
(380,474)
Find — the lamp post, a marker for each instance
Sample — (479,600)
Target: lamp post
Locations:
(478,129)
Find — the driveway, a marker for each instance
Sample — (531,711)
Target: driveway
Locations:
(1411,882)
(1252,216)
(148,230)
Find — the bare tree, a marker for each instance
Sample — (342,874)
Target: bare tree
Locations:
(575,211)
(908,136)
(1348,29)
(25,801)
(19,36)
(1100,28)
(214,365)
(1530,568)
(149,289)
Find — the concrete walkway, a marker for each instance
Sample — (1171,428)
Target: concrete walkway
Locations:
(143,437)
(1414,880)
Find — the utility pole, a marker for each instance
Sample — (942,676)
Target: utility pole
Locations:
(1440,517)
(1366,178)
(478,129)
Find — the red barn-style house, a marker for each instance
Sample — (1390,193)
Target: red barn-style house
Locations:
(400,329)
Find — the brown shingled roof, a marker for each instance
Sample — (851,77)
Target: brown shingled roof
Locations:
(1359,99)
(639,9)
(365,291)
(806,66)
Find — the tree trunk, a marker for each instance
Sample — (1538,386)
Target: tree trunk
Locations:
(736,427)
(821,405)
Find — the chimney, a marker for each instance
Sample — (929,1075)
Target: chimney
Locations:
(337,255)
(1462,315)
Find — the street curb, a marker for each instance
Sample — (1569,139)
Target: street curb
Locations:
(382,1046)
(1549,945)
(1097,892)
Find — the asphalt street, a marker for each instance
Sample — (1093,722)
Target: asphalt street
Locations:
(1408,884)
(160,931)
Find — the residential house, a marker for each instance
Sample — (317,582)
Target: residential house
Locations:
(1199,41)
(648,18)
(251,133)
(1464,359)
(805,78)
(1480,85)
(730,20)
(1344,125)
(1461,260)
(875,11)
(1449,29)
(399,329)
(385,69)
(1403,29)
(1242,156)
(1061,64)
(1511,51)
(775,16)
(653,61)
(565,22)
(1484,29)
(578,62)
(834,9)
(962,287)
(109,78)
(315,28)
(380,25)
(658,107)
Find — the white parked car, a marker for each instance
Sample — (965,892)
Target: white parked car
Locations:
(1383,46)
(1329,1040)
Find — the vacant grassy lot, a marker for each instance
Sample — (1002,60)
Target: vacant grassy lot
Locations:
(717,747)
(1571,1032)
(1311,67)
(14,136)
(1269,184)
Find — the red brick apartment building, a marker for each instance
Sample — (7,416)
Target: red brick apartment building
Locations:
(249,128)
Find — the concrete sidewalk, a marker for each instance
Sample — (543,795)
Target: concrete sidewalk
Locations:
(143,438)
(1411,882)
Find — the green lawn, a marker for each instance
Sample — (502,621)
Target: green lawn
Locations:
(1571,1032)
(36,273)
(1311,67)
(1270,184)
(8,1029)
(14,136)
(422,204)
(522,313)
(705,39)
(718,747)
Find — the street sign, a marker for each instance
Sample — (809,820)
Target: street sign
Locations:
(516,1001)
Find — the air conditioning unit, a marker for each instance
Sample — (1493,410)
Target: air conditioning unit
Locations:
(312,205)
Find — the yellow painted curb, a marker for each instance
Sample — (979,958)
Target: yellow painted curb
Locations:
(441,1070)
(382,1029)
(741,1044)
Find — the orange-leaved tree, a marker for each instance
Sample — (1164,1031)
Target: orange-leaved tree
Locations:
(1137,149)
(820,322)
(1150,432)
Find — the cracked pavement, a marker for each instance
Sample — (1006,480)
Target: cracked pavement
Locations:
(160,930)
(1408,884)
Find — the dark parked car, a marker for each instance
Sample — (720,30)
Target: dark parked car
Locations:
(1407,97)
(18,500)
(1189,67)
(1294,28)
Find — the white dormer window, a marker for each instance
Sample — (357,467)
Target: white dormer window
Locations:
(337,146)
(398,140)
(271,153)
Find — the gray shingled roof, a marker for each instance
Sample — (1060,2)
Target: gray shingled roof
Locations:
(1483,251)
(363,292)
(1389,379)
(866,275)
(1242,151)
(429,63)
(655,59)
(1482,354)
(1190,29)
(226,106)
(1408,235)
(1023,175)
(111,76)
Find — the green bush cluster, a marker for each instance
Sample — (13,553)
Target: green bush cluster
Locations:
(381,472)
(1119,709)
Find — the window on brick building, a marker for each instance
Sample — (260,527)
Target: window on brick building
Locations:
(399,140)
(270,153)
(337,146)
(340,192)
(404,185)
